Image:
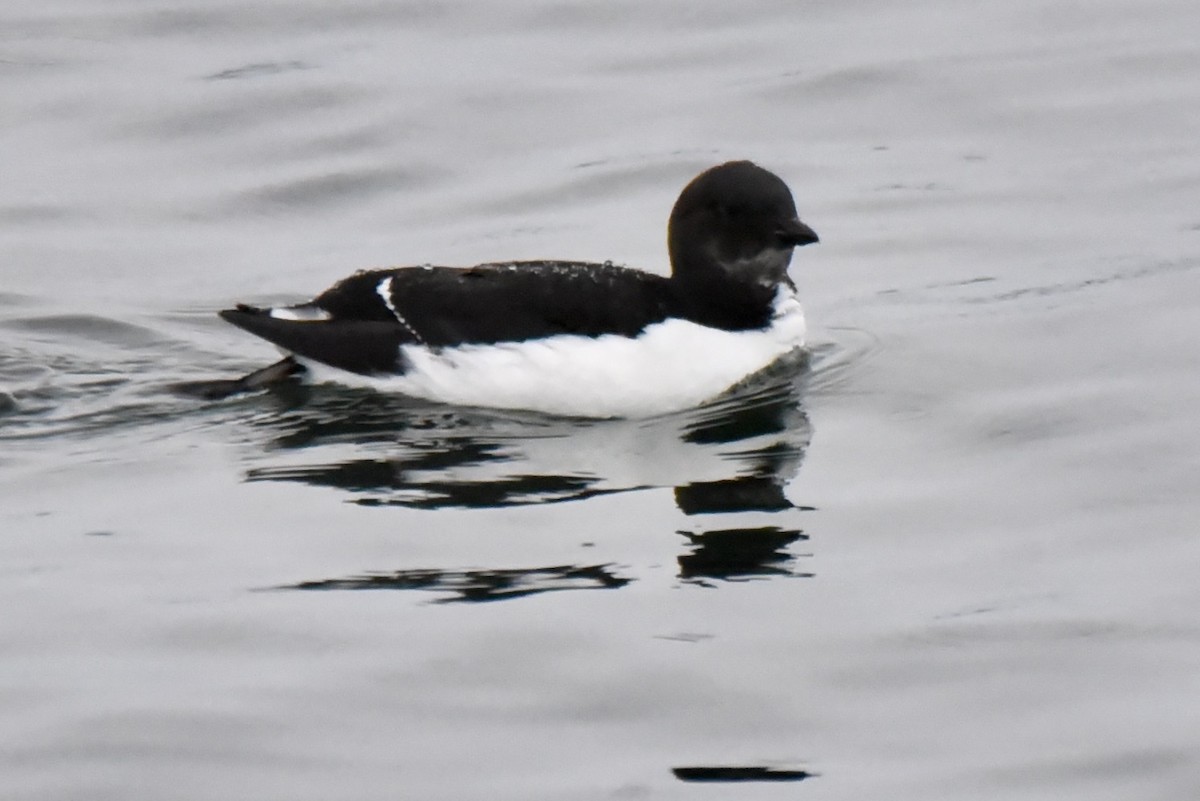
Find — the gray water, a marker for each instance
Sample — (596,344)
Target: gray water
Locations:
(953,557)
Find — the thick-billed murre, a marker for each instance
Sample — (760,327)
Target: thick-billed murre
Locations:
(572,338)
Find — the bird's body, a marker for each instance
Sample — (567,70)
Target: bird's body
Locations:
(569,337)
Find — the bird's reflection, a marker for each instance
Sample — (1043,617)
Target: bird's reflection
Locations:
(739,553)
(478,585)
(727,462)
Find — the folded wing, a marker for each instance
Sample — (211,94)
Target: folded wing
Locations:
(360,323)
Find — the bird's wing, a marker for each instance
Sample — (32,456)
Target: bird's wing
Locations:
(360,323)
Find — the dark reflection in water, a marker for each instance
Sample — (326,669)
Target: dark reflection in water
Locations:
(478,585)
(738,773)
(735,454)
(745,494)
(367,476)
(739,553)
(728,464)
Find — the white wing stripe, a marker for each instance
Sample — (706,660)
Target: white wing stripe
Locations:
(301,314)
(384,290)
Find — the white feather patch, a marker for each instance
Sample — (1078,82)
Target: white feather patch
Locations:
(384,291)
(303,314)
(672,365)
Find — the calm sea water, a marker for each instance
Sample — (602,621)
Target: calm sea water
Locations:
(954,557)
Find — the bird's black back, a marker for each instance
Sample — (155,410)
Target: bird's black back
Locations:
(508,302)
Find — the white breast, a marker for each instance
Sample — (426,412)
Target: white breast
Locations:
(671,366)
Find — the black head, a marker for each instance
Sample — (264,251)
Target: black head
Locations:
(737,223)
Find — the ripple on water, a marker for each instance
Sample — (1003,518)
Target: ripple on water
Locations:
(837,359)
(84,328)
(68,375)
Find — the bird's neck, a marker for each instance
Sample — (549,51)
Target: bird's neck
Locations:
(713,299)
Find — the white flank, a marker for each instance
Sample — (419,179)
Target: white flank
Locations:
(302,314)
(671,366)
